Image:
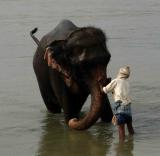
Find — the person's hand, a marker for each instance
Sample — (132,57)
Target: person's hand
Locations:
(103,83)
(101,88)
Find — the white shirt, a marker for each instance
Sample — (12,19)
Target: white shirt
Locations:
(120,89)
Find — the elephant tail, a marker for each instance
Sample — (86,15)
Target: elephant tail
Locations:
(32,32)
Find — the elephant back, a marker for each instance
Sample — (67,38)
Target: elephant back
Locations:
(59,33)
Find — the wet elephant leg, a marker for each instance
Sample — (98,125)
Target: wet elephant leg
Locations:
(72,104)
(69,101)
(49,98)
(106,113)
(42,74)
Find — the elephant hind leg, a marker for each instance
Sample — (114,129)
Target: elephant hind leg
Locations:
(50,100)
(41,71)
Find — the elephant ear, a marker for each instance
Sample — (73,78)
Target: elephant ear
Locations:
(66,73)
(52,62)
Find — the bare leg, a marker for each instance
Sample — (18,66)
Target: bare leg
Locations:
(121,131)
(130,128)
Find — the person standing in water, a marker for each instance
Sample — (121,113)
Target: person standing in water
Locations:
(122,101)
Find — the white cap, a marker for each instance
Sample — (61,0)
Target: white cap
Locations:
(124,72)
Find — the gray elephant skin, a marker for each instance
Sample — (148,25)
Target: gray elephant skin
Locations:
(84,56)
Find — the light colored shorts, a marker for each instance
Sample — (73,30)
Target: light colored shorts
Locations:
(122,113)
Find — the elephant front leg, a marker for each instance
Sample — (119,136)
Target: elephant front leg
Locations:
(49,99)
(72,105)
(71,110)
(106,112)
(47,93)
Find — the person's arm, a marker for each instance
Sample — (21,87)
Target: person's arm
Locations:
(110,86)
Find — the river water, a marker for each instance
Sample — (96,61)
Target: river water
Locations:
(133,30)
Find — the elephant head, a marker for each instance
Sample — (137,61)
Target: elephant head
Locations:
(84,57)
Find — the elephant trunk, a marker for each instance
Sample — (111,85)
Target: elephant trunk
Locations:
(93,114)
(97,98)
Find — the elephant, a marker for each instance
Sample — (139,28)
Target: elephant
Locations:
(82,58)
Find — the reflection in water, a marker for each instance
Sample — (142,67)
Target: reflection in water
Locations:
(125,148)
(58,140)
